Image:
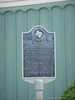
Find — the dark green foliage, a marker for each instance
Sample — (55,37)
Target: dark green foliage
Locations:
(69,93)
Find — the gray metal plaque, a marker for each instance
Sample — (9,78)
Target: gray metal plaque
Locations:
(38,53)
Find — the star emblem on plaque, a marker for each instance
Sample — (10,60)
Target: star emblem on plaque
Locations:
(38,34)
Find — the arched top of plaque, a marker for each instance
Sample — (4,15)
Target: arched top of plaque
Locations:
(38,55)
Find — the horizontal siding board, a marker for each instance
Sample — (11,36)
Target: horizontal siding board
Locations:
(44,17)
(10,56)
(2,59)
(63,48)
(22,89)
(69,33)
(1,47)
(56,13)
(31,19)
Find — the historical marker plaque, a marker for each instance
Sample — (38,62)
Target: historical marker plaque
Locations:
(38,53)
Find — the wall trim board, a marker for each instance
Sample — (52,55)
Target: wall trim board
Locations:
(25,3)
(47,6)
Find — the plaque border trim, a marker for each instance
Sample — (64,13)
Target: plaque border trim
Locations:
(45,79)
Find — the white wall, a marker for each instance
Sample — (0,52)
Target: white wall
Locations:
(13,3)
(28,0)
